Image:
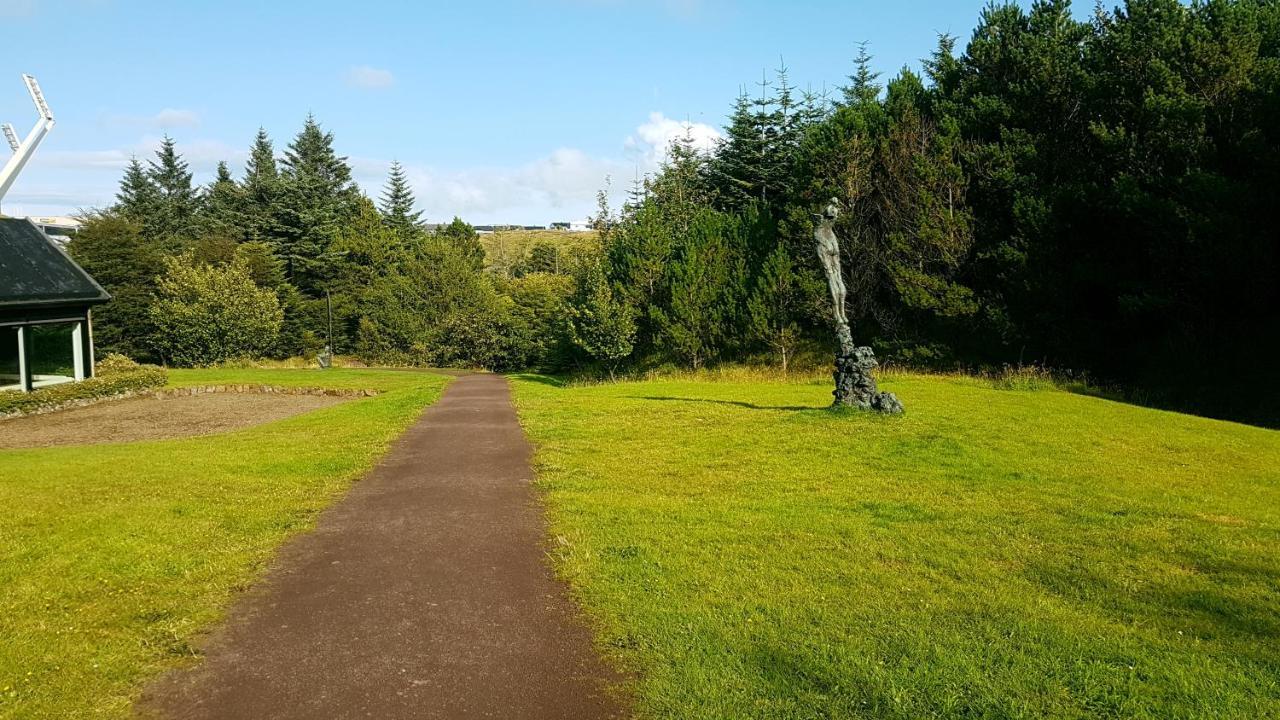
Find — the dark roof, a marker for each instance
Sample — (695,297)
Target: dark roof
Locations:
(35,272)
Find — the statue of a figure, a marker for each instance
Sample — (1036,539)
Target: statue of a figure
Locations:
(855,386)
(828,248)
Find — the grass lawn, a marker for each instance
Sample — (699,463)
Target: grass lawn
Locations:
(994,553)
(114,558)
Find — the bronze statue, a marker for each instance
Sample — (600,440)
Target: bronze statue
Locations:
(855,386)
(828,247)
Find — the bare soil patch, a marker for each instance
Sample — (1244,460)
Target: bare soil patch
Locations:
(155,419)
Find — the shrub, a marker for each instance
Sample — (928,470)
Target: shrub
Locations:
(117,375)
(206,314)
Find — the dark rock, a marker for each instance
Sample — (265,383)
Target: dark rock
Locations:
(855,386)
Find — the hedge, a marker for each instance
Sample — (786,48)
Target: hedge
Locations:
(116,376)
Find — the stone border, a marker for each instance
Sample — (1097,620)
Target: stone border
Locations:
(195,390)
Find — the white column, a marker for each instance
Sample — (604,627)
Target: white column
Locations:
(23,370)
(77,350)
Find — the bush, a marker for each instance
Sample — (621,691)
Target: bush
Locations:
(116,375)
(206,314)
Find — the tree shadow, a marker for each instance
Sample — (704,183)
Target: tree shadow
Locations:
(735,403)
(550,380)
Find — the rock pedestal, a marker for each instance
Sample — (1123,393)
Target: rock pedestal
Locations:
(855,386)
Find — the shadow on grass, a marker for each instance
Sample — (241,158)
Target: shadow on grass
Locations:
(550,380)
(735,403)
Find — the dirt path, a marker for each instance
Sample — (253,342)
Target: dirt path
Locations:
(423,594)
(117,421)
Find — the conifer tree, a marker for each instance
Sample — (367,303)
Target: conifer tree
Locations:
(261,189)
(397,202)
(138,196)
(177,200)
(223,205)
(317,196)
(465,240)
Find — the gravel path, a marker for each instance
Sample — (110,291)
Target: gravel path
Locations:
(425,593)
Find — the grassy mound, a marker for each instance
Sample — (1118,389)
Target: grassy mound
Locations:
(994,553)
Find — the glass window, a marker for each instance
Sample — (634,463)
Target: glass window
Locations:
(52,356)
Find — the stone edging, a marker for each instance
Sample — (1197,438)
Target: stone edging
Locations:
(195,390)
(262,389)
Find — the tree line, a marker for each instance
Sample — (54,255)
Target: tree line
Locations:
(1096,194)
(1092,195)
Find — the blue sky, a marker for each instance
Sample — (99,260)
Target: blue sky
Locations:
(503,111)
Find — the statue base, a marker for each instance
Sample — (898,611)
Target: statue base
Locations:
(855,386)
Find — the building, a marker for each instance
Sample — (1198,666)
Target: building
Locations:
(60,229)
(46,302)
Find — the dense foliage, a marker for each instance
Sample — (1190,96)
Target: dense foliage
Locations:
(1094,195)
(1091,195)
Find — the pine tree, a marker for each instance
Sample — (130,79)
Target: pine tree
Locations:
(138,196)
(178,201)
(863,88)
(397,203)
(317,196)
(261,190)
(601,324)
(735,170)
(774,304)
(223,203)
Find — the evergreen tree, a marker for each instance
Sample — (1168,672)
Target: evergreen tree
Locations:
(465,240)
(601,324)
(177,200)
(397,204)
(138,196)
(317,197)
(774,304)
(261,191)
(223,206)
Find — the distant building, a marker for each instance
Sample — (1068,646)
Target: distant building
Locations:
(576,226)
(59,228)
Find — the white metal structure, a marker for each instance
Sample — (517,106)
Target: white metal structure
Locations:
(11,136)
(23,151)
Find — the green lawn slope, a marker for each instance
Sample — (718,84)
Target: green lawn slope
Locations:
(994,553)
(113,558)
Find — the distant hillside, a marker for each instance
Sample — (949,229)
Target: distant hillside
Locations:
(505,249)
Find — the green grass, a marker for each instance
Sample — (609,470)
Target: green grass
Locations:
(114,558)
(994,553)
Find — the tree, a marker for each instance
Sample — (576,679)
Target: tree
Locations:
(206,314)
(138,196)
(223,206)
(774,305)
(601,325)
(695,324)
(398,202)
(261,191)
(178,203)
(465,240)
(317,198)
(111,247)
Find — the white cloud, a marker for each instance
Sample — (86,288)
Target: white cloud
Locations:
(560,185)
(166,119)
(653,139)
(372,78)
